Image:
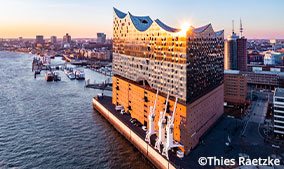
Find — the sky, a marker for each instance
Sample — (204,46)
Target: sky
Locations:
(84,18)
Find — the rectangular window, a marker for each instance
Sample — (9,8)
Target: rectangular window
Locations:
(279,100)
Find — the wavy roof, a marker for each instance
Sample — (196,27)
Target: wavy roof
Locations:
(218,33)
(166,27)
(120,14)
(142,23)
(201,29)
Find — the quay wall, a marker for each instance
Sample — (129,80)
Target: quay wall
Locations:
(150,153)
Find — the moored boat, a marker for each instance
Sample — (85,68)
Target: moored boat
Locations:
(79,74)
(56,76)
(71,75)
(48,76)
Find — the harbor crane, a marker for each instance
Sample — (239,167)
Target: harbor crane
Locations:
(162,123)
(151,118)
(170,143)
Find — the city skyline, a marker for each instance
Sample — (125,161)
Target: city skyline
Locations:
(84,19)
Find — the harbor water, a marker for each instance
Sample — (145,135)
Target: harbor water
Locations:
(53,124)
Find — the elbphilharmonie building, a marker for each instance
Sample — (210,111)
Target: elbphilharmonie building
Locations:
(149,55)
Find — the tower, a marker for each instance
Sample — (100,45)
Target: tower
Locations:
(236,51)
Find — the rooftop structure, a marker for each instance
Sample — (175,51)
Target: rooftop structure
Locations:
(231,72)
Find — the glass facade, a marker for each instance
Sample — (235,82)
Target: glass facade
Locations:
(205,68)
(188,64)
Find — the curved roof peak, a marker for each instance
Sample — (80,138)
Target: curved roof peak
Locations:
(201,29)
(141,23)
(166,27)
(119,14)
(218,33)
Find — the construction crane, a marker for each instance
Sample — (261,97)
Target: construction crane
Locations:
(151,118)
(170,132)
(162,124)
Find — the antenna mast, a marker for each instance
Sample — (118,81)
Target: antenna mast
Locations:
(233,27)
(241,27)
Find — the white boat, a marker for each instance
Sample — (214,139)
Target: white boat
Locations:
(79,74)
(71,75)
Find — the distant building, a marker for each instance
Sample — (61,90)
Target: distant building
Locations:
(66,39)
(101,38)
(255,58)
(39,39)
(101,54)
(265,79)
(20,38)
(235,87)
(53,39)
(236,52)
(275,44)
(278,117)
(273,58)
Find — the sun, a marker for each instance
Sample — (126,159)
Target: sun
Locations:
(183,29)
(185,26)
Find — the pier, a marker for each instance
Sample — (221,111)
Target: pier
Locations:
(106,85)
(105,72)
(44,64)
